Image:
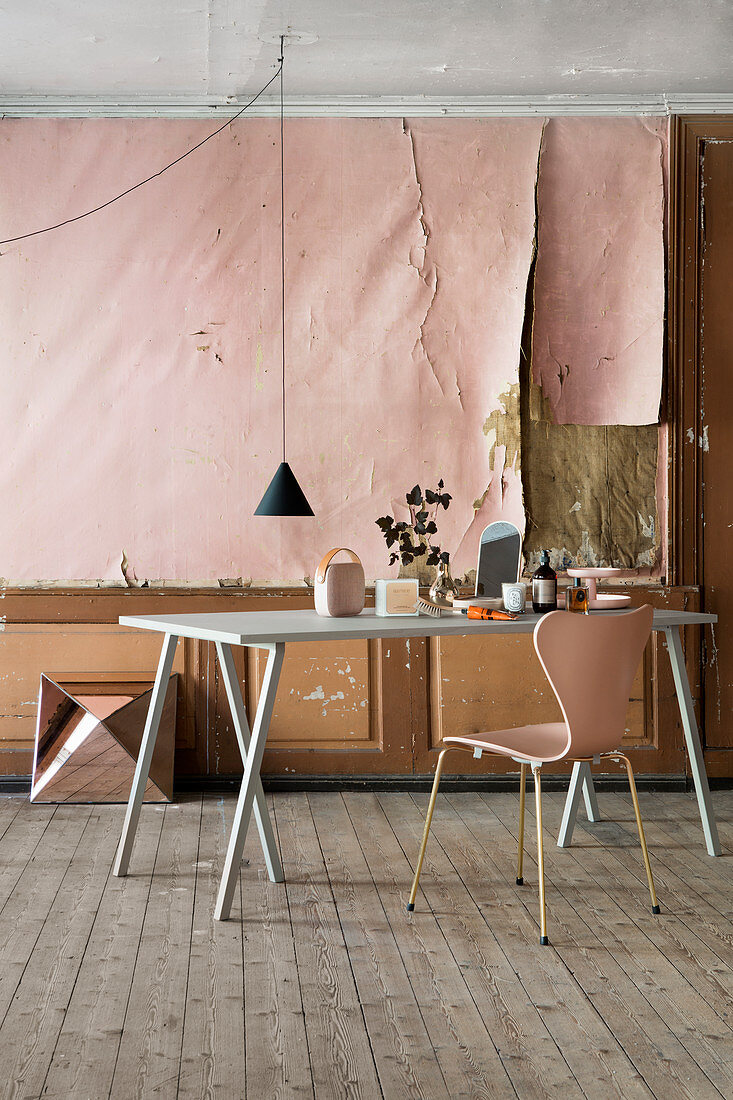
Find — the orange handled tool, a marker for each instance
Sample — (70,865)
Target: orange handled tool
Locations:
(485,613)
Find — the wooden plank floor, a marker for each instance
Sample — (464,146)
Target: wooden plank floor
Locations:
(326,988)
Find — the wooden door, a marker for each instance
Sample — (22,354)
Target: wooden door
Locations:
(716,435)
(704,530)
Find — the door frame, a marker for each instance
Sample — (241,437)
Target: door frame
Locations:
(684,377)
(688,135)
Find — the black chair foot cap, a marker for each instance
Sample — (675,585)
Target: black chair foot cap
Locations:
(544,940)
(655,908)
(410,906)
(520,882)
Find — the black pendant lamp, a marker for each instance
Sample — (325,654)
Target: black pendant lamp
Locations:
(283,496)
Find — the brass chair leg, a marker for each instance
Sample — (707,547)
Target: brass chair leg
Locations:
(640,827)
(426,830)
(540,851)
(520,853)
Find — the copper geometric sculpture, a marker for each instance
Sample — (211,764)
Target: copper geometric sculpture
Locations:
(86,748)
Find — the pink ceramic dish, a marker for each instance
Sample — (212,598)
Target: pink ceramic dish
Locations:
(601,601)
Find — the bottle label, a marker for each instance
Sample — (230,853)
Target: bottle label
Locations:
(401,597)
(544,591)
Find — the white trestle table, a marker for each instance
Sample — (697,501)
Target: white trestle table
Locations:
(272,630)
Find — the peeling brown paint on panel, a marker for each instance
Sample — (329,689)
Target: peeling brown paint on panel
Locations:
(503,678)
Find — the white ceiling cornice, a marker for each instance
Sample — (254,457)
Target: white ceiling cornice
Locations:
(364,106)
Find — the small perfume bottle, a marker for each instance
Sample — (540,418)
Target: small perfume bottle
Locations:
(544,586)
(577,597)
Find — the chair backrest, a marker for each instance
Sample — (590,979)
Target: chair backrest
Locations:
(590,661)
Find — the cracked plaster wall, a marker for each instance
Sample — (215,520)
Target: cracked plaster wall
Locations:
(141,356)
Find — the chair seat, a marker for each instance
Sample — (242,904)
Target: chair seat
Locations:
(544,742)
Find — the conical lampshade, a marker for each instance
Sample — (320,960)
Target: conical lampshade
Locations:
(283,496)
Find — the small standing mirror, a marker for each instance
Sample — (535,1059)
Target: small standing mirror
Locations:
(499,558)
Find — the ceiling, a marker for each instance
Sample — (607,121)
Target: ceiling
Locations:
(207,50)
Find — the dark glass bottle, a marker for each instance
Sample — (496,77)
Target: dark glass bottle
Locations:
(544,587)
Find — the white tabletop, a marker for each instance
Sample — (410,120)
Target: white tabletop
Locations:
(262,628)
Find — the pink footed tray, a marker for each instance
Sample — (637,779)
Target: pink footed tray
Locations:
(601,601)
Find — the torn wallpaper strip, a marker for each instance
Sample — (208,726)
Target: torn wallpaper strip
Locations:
(599,301)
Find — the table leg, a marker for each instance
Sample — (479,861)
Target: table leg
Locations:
(145,755)
(241,729)
(249,786)
(581,782)
(589,793)
(692,739)
(570,811)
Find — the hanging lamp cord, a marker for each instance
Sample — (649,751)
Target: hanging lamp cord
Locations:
(282,223)
(102,206)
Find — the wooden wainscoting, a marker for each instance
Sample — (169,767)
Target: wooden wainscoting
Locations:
(342,709)
(352,708)
(477,684)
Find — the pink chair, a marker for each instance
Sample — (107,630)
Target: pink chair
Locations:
(590,661)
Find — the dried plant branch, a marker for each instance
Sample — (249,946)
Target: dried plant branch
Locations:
(413,539)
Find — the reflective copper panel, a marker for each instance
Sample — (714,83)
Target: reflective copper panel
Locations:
(86,747)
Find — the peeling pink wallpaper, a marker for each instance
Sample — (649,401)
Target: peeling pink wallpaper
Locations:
(599,306)
(141,371)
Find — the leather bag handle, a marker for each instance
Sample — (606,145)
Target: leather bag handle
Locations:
(326,561)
